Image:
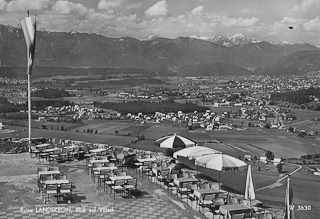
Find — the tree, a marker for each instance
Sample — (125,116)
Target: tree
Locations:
(269,155)
(96,132)
(117,132)
(280,167)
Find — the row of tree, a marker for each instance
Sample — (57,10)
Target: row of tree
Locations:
(297,97)
(51,93)
(136,107)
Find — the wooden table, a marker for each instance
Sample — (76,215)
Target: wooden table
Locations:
(42,146)
(104,168)
(56,182)
(47,172)
(142,160)
(71,147)
(114,178)
(180,181)
(49,150)
(229,210)
(98,150)
(201,193)
(99,161)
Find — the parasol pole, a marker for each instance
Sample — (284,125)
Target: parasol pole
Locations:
(29,105)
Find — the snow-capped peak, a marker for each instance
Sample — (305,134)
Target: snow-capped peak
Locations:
(285,43)
(235,39)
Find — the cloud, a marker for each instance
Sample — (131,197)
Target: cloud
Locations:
(312,25)
(68,8)
(158,9)
(197,10)
(307,9)
(22,5)
(239,22)
(108,5)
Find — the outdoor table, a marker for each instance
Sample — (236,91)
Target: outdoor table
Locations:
(142,160)
(39,146)
(180,181)
(104,168)
(47,172)
(229,210)
(70,147)
(98,150)
(56,182)
(99,161)
(49,150)
(114,178)
(201,193)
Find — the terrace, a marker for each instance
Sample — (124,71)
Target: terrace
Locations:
(153,198)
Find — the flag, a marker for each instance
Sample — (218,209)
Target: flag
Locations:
(289,202)
(29,30)
(249,190)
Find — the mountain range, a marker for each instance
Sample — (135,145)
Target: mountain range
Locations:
(183,55)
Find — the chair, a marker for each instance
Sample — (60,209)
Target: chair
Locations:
(63,155)
(53,168)
(162,177)
(183,190)
(232,200)
(119,158)
(238,216)
(117,187)
(121,173)
(109,164)
(106,180)
(95,173)
(65,190)
(169,182)
(34,152)
(41,181)
(42,168)
(130,186)
(216,202)
(48,191)
(43,156)
(60,176)
(207,201)
(54,155)
(191,195)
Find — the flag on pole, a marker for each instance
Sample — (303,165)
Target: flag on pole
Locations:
(249,189)
(29,30)
(289,202)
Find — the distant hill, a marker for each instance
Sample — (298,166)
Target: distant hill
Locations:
(89,50)
(295,63)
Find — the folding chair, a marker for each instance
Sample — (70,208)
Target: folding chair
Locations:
(65,191)
(130,186)
(169,182)
(162,177)
(48,191)
(117,188)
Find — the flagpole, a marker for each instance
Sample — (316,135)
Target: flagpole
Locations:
(29,105)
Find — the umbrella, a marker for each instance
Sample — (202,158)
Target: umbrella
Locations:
(219,162)
(289,202)
(249,190)
(175,141)
(195,151)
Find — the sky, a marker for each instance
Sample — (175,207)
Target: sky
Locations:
(267,20)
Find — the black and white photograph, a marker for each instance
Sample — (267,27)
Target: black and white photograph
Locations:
(156,109)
